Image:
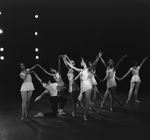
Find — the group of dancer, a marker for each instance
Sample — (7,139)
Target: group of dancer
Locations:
(87,90)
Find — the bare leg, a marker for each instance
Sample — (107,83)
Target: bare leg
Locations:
(24,103)
(119,102)
(104,97)
(79,100)
(74,95)
(94,93)
(137,85)
(112,92)
(87,100)
(130,91)
(29,95)
(89,103)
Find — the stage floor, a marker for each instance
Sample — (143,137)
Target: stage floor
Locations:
(131,123)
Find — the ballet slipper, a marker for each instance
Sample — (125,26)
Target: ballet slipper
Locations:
(85,118)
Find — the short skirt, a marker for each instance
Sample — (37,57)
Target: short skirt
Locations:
(135,78)
(111,83)
(85,86)
(27,86)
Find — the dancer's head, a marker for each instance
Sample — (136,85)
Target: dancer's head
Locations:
(90,63)
(22,66)
(46,80)
(110,63)
(53,70)
(83,63)
(134,63)
(72,62)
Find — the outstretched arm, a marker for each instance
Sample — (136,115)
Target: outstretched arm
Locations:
(116,66)
(32,68)
(46,71)
(104,78)
(143,62)
(126,74)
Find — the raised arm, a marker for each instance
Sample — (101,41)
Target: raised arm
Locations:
(67,58)
(143,62)
(93,67)
(116,66)
(65,63)
(70,65)
(103,60)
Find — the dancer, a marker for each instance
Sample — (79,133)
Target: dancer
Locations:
(27,88)
(94,83)
(52,89)
(135,80)
(57,77)
(85,84)
(73,87)
(111,83)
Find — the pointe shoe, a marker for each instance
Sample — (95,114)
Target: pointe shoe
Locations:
(22,117)
(61,112)
(99,114)
(137,101)
(102,105)
(38,115)
(26,115)
(122,106)
(84,117)
(111,109)
(90,108)
(127,101)
(73,114)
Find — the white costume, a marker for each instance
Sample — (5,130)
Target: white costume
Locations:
(111,82)
(27,84)
(52,88)
(72,84)
(135,72)
(85,82)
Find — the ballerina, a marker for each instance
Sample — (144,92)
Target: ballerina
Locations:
(135,80)
(94,83)
(27,88)
(73,87)
(85,84)
(57,77)
(52,89)
(111,82)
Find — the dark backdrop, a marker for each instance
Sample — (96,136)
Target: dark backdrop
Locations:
(79,28)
